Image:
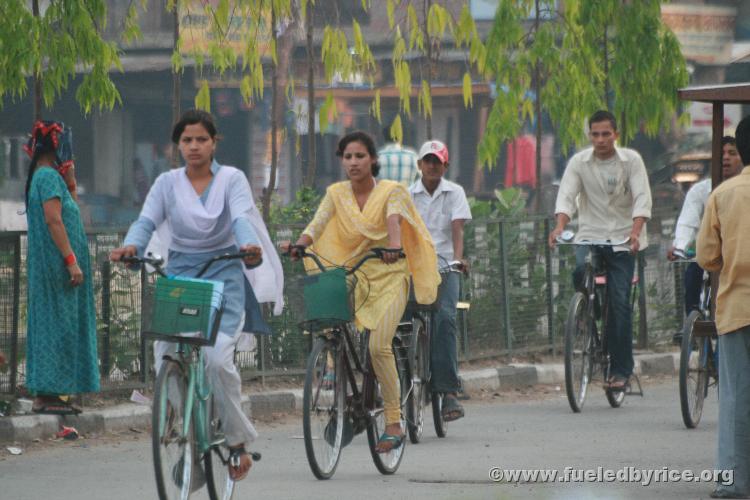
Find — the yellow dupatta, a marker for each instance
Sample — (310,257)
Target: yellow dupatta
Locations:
(350,233)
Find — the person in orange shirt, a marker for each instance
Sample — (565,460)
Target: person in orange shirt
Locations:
(722,247)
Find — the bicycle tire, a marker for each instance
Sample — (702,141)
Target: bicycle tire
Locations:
(615,398)
(220,485)
(692,389)
(386,463)
(578,352)
(418,395)
(323,410)
(441,426)
(173,453)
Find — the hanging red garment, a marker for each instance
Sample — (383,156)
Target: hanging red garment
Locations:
(520,169)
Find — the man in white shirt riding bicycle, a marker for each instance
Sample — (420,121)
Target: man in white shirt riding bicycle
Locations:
(445,209)
(690,221)
(609,187)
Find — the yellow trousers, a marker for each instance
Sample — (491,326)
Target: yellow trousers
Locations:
(383,362)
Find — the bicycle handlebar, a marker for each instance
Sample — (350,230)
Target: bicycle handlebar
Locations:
(682,256)
(374,253)
(157,261)
(455,266)
(593,243)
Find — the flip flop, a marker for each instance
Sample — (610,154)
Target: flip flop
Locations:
(389,438)
(452,409)
(618,384)
(56,408)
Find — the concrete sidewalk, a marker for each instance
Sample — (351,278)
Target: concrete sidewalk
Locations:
(26,428)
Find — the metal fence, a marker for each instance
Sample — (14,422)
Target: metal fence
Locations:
(518,290)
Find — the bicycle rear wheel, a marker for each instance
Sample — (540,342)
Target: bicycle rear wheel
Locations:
(173,450)
(693,372)
(386,463)
(220,485)
(579,345)
(418,395)
(323,407)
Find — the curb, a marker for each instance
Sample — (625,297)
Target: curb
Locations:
(516,375)
(27,428)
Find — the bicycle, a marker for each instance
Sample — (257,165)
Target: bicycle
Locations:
(698,354)
(419,318)
(185,430)
(586,350)
(335,406)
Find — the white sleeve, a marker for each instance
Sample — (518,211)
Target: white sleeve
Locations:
(690,217)
(461,209)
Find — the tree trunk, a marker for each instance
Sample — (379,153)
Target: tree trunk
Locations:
(37,75)
(606,70)
(311,158)
(284,45)
(428,117)
(176,84)
(538,112)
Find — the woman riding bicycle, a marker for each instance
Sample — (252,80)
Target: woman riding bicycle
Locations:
(360,214)
(209,211)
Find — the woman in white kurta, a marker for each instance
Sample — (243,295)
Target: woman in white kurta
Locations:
(204,209)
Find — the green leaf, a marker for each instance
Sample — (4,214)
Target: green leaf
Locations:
(396,130)
(467,91)
(203,97)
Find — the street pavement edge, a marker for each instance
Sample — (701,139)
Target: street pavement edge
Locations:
(136,417)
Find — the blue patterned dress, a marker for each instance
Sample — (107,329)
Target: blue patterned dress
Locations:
(61,344)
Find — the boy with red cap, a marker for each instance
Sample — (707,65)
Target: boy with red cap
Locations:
(445,209)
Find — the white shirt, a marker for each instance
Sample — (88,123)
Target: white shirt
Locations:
(608,196)
(446,204)
(691,215)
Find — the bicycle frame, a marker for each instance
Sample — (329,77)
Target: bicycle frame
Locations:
(596,292)
(196,399)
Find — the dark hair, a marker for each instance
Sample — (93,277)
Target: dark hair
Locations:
(44,145)
(366,140)
(601,116)
(742,136)
(728,139)
(191,117)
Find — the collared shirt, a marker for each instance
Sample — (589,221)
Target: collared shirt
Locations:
(690,217)
(439,210)
(398,163)
(722,246)
(607,194)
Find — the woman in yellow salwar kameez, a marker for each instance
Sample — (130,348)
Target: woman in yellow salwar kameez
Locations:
(360,214)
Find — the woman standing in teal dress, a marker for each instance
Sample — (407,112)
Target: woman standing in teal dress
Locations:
(61,330)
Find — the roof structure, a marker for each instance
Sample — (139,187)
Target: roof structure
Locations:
(718,95)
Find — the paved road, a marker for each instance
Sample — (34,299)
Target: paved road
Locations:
(538,434)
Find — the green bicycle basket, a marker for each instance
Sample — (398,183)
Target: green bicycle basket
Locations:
(184,305)
(327,297)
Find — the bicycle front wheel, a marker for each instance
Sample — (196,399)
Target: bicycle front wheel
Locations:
(323,407)
(693,372)
(579,345)
(441,426)
(418,395)
(173,448)
(220,485)
(386,463)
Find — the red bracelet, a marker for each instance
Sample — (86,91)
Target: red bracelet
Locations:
(70,259)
